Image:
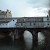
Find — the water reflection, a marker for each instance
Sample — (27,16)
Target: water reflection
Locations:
(8,44)
(41,38)
(28,39)
(24,43)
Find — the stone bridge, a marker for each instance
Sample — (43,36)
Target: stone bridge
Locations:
(15,27)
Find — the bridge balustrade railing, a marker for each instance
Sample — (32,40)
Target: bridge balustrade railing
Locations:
(14,24)
(37,24)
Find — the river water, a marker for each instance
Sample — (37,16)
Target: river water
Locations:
(25,43)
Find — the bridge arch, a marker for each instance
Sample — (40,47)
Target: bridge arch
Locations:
(28,34)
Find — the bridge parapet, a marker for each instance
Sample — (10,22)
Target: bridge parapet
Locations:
(43,22)
(33,22)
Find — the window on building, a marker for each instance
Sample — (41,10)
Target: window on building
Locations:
(48,23)
(30,23)
(21,24)
(6,24)
(34,23)
(13,20)
(47,18)
(17,24)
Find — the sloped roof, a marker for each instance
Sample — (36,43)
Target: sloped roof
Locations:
(3,12)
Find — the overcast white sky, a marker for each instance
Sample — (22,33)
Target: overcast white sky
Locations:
(28,8)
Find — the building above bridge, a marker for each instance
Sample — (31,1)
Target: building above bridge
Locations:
(6,21)
(5,14)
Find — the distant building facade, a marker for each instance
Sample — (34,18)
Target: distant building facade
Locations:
(5,14)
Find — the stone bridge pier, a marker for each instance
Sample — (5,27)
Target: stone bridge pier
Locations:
(35,38)
(17,33)
(47,38)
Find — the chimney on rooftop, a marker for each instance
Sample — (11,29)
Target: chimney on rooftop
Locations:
(49,13)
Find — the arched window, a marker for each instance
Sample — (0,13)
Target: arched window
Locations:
(13,20)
